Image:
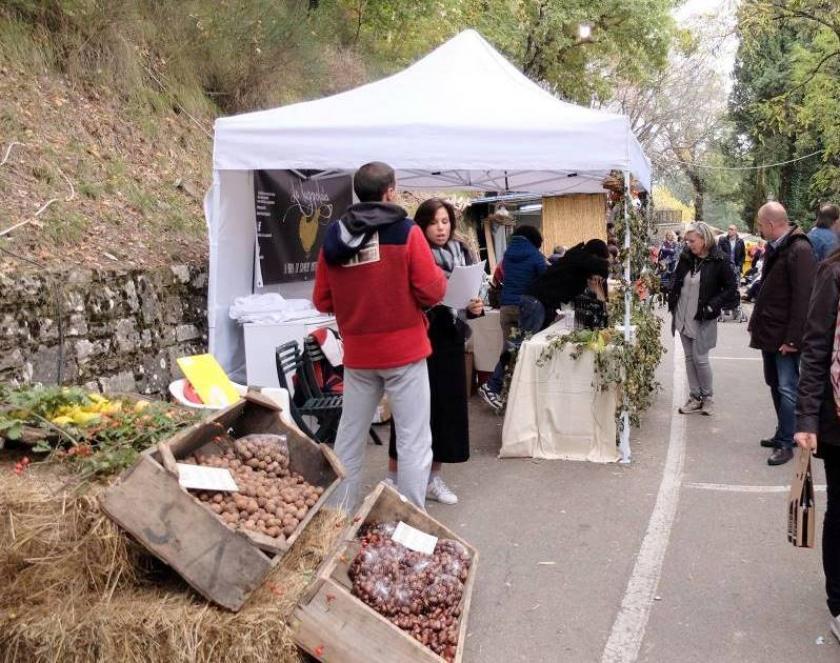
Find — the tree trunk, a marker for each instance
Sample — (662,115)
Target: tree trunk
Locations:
(698,202)
(694,176)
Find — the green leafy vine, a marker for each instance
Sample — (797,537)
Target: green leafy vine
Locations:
(631,365)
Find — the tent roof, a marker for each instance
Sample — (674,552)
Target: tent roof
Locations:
(462,117)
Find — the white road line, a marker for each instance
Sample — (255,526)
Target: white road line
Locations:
(628,630)
(736,488)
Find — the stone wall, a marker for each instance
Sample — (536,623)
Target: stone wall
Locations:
(123,330)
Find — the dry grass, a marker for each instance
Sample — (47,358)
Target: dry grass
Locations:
(77,589)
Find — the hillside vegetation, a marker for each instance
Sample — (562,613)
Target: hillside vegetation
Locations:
(108,109)
(108,105)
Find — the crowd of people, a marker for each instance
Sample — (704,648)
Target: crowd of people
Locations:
(406,344)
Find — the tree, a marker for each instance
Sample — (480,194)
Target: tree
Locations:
(629,39)
(679,113)
(784,102)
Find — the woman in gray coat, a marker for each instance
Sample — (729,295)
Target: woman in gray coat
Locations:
(704,285)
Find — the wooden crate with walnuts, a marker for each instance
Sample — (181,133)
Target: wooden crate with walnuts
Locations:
(221,563)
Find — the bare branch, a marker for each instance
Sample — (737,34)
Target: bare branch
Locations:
(9,151)
(835,28)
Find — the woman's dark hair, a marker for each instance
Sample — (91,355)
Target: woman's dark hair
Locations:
(425,214)
(531,234)
(597,247)
(827,215)
(372,180)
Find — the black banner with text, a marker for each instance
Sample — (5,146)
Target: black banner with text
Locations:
(294,209)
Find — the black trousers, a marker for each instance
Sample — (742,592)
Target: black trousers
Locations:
(831,528)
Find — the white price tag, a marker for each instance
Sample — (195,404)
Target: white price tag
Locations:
(197,477)
(414,539)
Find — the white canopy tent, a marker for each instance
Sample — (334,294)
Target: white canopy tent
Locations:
(461,118)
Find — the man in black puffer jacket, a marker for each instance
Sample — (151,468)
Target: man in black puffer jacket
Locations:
(778,319)
(568,277)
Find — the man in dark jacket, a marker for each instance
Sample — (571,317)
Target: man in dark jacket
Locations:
(733,248)
(779,316)
(569,276)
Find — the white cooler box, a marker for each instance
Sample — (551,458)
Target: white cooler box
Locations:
(262,340)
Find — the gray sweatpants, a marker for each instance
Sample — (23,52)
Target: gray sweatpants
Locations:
(408,393)
(699,370)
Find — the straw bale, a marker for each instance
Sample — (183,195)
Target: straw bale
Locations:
(55,540)
(77,589)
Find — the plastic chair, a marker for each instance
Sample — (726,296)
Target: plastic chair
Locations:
(326,410)
(312,355)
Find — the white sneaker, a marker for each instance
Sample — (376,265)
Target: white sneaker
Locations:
(491,398)
(834,624)
(440,492)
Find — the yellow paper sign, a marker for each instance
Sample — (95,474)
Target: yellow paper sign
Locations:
(209,380)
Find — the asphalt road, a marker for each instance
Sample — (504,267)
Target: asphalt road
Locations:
(561,577)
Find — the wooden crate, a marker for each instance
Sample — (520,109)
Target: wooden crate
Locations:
(336,627)
(222,565)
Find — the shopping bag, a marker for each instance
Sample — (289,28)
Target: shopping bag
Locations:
(801,506)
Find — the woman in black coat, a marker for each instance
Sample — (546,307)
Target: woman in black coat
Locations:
(817,419)
(704,285)
(447,334)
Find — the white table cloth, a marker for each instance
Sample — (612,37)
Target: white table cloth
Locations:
(554,412)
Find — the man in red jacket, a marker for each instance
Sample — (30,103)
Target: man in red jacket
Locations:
(376,273)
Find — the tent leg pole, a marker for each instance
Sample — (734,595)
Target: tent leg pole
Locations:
(624,440)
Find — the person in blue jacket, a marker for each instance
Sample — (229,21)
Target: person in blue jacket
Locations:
(823,235)
(522,264)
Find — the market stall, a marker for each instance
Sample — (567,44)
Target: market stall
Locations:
(526,140)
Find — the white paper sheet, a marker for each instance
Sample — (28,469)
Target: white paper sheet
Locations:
(464,285)
(414,539)
(198,477)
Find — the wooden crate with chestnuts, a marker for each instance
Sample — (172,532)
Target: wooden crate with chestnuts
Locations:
(334,625)
(222,559)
